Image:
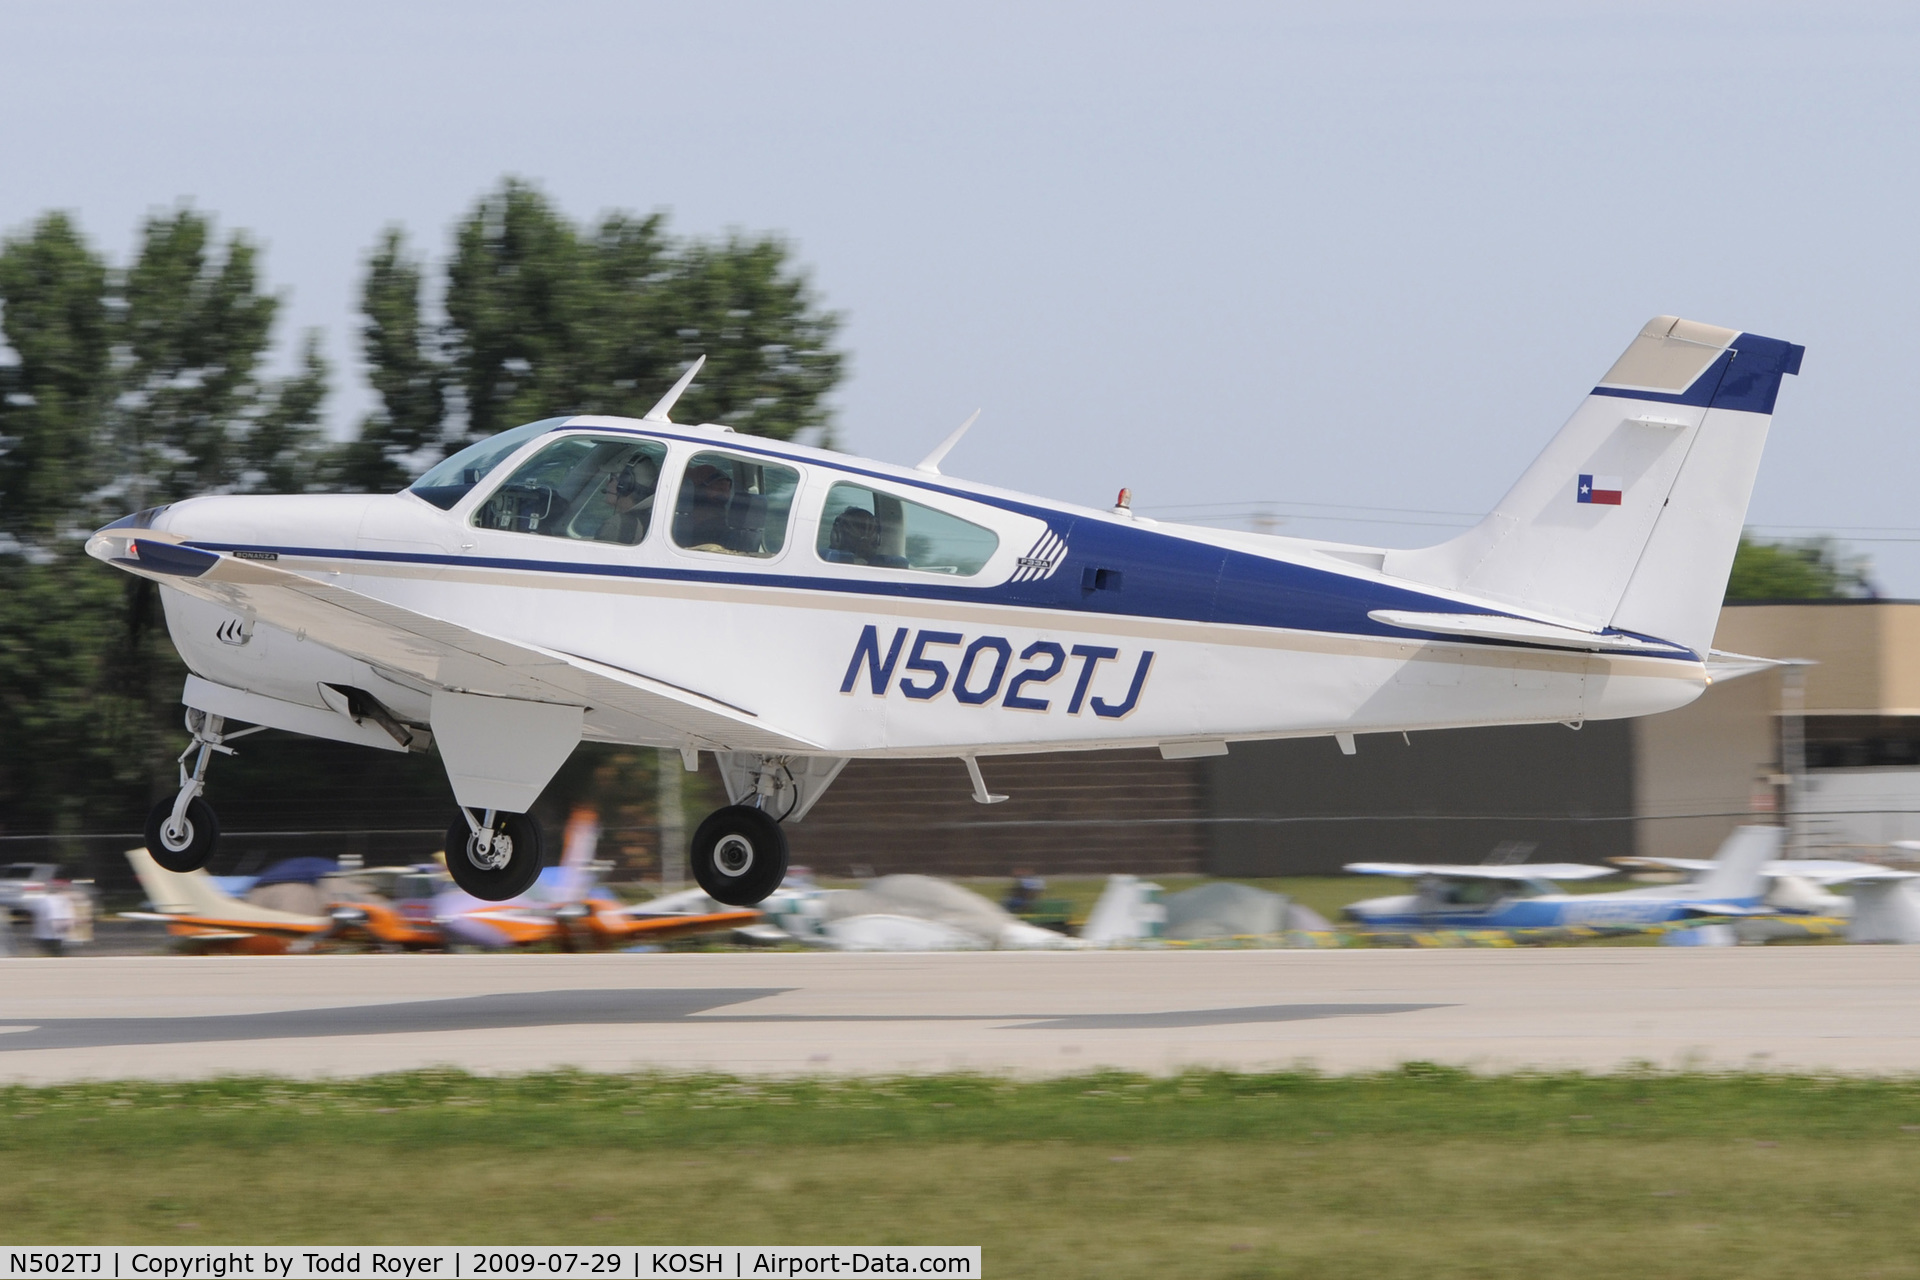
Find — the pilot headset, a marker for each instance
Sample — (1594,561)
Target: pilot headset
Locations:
(626,484)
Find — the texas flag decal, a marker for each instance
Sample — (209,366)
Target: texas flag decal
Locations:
(1603,490)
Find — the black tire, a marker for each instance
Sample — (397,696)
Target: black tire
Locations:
(194,849)
(739,855)
(496,884)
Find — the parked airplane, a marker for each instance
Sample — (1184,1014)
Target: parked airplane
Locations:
(1878,902)
(201,914)
(1524,896)
(408,907)
(789,609)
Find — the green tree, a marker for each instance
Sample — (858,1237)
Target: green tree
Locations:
(1810,569)
(403,361)
(54,319)
(544,318)
(520,312)
(770,359)
(193,413)
(116,389)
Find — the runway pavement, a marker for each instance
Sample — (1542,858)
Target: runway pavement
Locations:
(1825,1008)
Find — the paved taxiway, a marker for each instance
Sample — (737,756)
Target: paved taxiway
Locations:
(1844,1008)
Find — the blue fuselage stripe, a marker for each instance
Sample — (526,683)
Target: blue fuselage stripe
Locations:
(1162,577)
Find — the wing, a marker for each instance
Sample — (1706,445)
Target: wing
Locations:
(223,928)
(442,654)
(1472,871)
(1668,864)
(627,925)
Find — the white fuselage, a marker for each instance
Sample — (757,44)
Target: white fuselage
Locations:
(1083,629)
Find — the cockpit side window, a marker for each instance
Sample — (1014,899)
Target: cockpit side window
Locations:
(859,525)
(734,505)
(453,478)
(590,488)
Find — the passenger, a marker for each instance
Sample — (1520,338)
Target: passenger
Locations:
(707,493)
(855,539)
(630,493)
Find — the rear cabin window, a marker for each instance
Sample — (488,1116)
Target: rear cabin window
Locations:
(590,488)
(865,526)
(733,505)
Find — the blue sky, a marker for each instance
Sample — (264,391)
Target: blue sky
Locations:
(1251,256)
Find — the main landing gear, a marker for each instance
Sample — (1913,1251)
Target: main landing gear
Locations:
(739,853)
(496,857)
(182,832)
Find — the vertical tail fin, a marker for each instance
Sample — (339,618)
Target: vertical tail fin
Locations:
(1739,868)
(193,893)
(170,892)
(1630,517)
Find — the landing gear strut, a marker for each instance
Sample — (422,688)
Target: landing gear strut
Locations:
(494,858)
(182,832)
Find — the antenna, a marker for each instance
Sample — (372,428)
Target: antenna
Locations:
(931,463)
(659,412)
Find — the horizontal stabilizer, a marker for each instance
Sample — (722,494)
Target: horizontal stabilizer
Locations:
(1493,626)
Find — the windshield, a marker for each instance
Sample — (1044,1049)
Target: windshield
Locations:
(453,478)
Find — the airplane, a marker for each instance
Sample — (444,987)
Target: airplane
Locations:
(408,907)
(1879,905)
(1526,896)
(203,916)
(788,609)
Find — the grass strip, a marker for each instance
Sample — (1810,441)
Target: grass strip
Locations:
(1422,1171)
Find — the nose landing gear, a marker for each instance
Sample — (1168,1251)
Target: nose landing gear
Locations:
(181,832)
(496,858)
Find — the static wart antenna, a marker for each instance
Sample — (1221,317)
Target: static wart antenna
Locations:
(659,412)
(931,463)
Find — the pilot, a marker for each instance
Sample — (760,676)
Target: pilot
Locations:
(629,491)
(707,493)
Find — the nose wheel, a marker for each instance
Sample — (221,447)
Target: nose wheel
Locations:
(495,859)
(182,831)
(739,855)
(183,843)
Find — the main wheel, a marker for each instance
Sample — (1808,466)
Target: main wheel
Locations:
(508,868)
(188,848)
(739,855)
